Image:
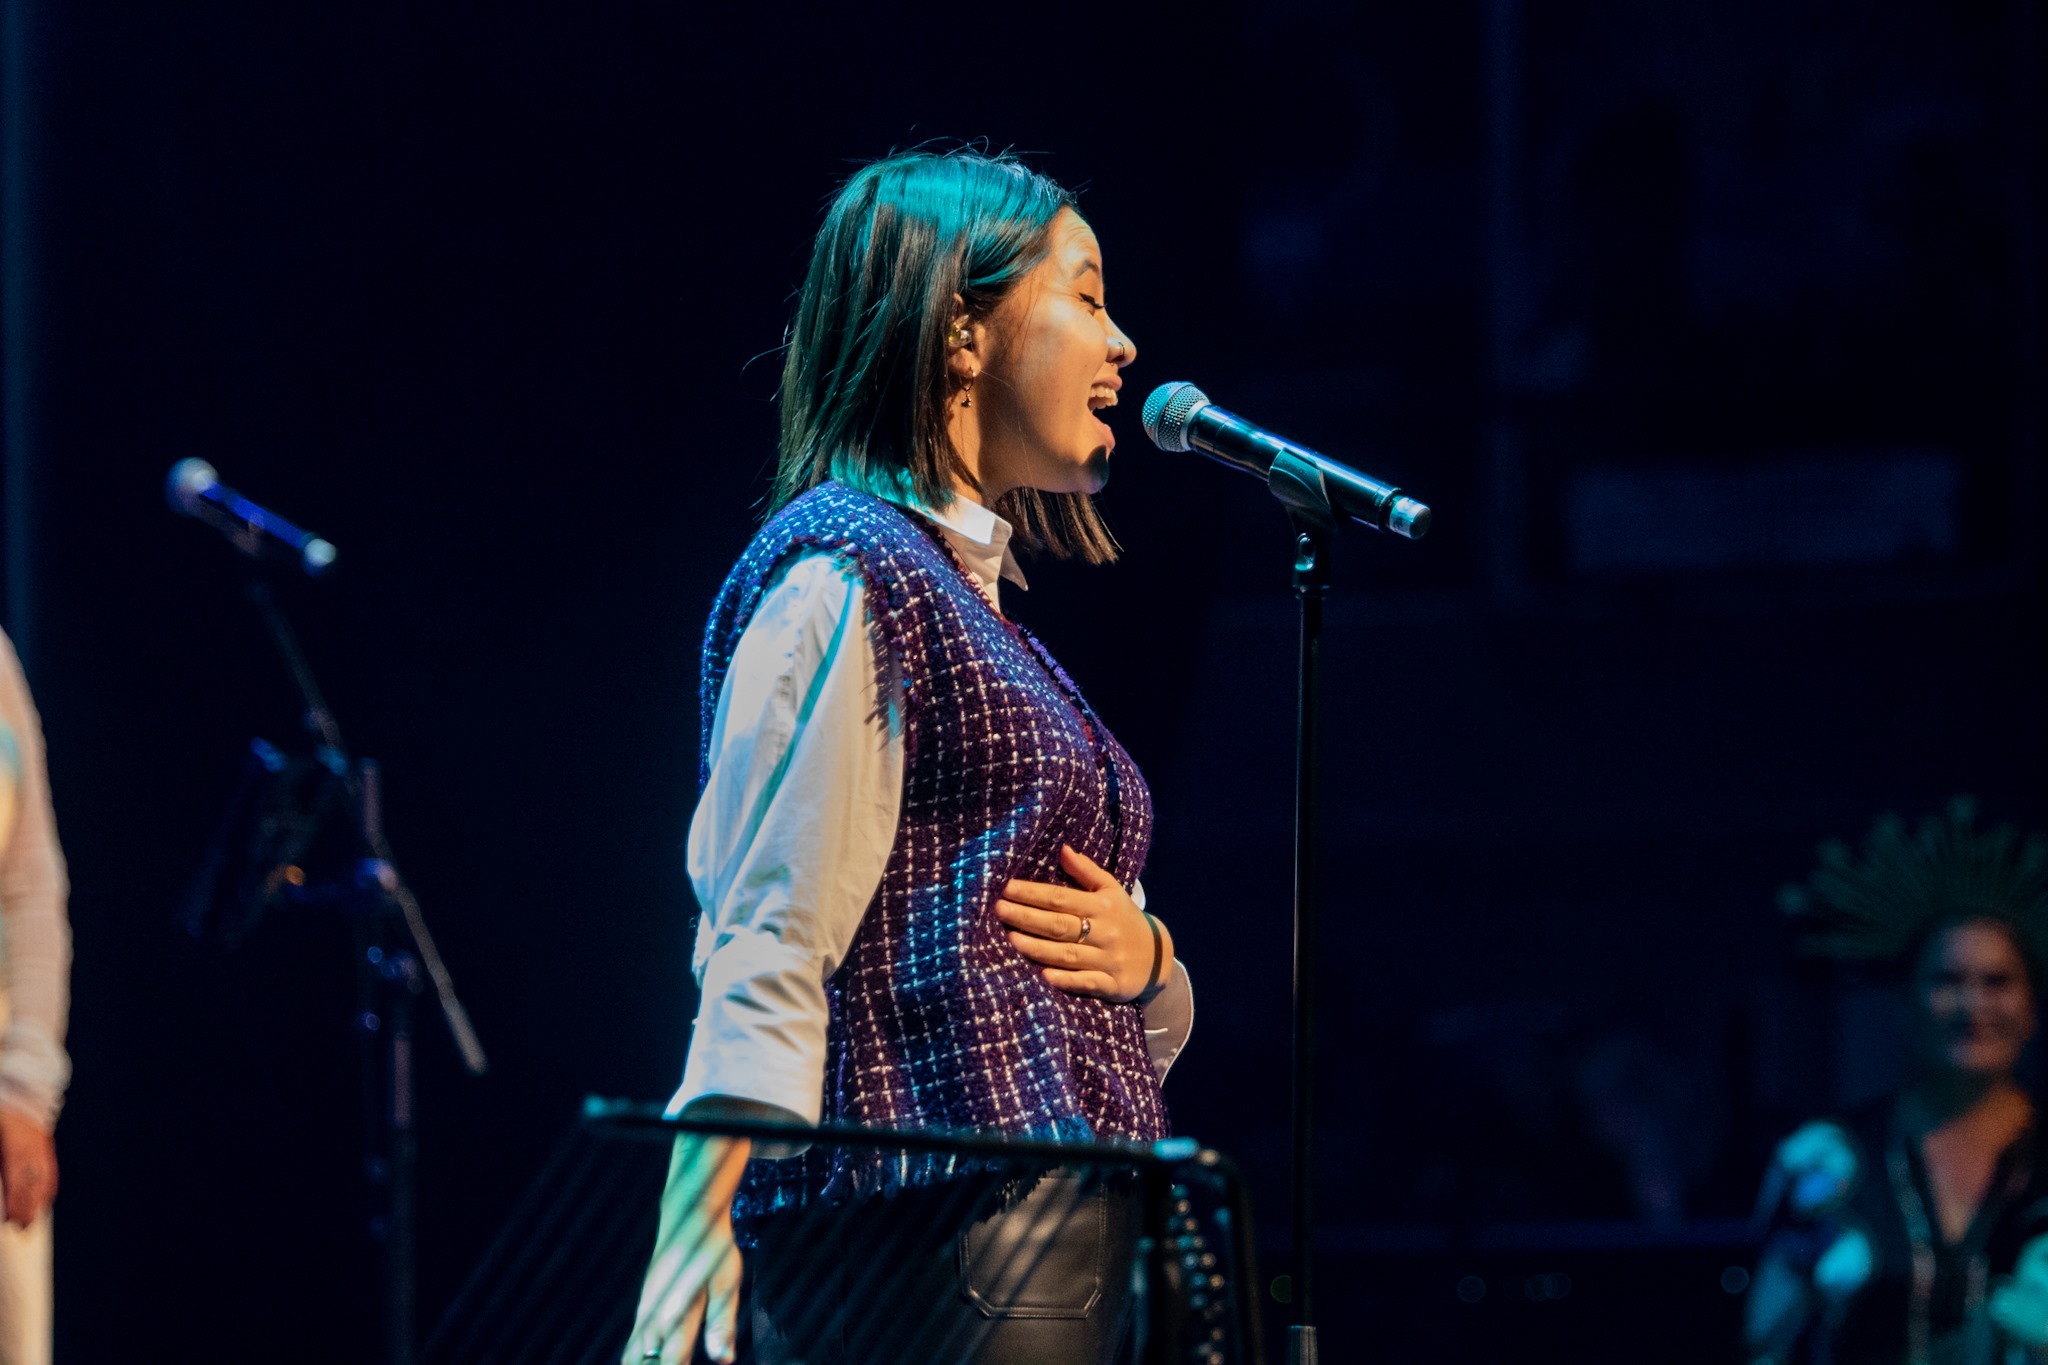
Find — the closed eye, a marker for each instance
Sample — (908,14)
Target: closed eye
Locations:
(1094,304)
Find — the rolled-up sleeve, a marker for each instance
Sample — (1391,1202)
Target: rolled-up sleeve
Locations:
(1170,1018)
(34,888)
(789,840)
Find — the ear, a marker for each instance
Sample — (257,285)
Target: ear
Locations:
(962,360)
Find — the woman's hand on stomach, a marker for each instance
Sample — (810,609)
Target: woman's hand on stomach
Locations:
(1113,958)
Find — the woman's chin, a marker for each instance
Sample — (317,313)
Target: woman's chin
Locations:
(1098,469)
(1985,1061)
(1079,472)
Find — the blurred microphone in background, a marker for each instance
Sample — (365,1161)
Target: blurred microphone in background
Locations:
(193,489)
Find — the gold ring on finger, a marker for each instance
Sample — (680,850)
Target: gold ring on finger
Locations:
(1086,927)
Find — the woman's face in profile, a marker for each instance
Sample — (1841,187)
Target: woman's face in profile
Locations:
(1975,1000)
(1050,369)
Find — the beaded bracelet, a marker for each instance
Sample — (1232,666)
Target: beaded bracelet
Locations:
(1154,984)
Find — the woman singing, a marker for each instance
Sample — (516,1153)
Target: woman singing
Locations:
(917,846)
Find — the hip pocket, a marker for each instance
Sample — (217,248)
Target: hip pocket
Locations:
(1045,1257)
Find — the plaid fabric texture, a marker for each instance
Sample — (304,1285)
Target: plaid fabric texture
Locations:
(936,1021)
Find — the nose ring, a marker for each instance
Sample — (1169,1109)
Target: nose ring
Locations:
(1122,347)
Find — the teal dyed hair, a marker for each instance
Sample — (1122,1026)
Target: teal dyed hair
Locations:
(864,383)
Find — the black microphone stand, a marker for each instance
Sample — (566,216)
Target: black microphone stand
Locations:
(1319,494)
(1301,487)
(1311,587)
(395,960)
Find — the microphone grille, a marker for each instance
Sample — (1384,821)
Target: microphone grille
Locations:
(1168,412)
(188,480)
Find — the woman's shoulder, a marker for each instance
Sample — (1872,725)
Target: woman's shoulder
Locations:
(885,541)
(876,542)
(834,509)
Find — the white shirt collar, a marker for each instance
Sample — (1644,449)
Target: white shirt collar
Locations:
(977,535)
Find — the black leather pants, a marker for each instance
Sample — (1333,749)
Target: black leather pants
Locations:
(922,1277)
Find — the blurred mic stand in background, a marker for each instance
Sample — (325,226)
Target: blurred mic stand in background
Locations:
(269,834)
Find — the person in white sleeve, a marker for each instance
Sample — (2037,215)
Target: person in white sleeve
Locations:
(917,846)
(35,980)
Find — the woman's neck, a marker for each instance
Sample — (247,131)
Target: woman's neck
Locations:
(964,430)
(1942,1099)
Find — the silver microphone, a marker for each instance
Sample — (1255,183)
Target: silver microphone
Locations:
(1180,417)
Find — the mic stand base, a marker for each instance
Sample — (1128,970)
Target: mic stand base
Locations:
(389,980)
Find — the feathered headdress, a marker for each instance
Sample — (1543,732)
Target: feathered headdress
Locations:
(1880,906)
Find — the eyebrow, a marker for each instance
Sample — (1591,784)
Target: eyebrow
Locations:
(1088,263)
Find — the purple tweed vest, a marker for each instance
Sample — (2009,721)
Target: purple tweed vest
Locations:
(936,1021)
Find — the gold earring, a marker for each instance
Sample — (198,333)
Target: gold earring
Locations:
(956,336)
(967,392)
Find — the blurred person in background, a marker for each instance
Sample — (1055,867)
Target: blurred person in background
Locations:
(1910,1232)
(35,983)
(917,846)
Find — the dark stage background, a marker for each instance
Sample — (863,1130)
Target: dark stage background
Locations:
(1711,331)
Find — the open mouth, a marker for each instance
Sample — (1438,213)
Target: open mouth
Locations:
(1101,398)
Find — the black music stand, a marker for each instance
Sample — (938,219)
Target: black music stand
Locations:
(560,1283)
